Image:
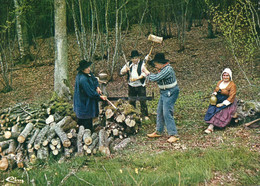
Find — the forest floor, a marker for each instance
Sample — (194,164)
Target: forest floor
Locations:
(197,68)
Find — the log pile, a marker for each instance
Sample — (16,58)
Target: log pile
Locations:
(24,143)
(248,112)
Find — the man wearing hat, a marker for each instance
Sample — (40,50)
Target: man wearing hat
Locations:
(169,92)
(136,80)
(86,95)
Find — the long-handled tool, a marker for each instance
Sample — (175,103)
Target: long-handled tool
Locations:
(110,103)
(154,39)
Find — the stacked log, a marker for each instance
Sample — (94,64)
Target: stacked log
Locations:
(29,141)
(248,112)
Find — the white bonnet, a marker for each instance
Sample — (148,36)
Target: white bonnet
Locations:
(227,70)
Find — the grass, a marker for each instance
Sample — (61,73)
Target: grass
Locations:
(190,167)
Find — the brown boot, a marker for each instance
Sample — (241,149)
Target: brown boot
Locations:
(154,135)
(172,139)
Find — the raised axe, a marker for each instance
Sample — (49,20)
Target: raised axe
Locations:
(154,39)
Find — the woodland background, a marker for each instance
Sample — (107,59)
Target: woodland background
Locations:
(41,43)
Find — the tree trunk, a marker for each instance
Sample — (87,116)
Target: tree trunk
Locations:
(22,33)
(210,30)
(19,28)
(61,80)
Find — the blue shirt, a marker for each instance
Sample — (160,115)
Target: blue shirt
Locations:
(165,77)
(86,98)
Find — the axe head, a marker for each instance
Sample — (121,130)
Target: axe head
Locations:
(155,39)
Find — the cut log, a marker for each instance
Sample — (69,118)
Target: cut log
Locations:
(2,138)
(30,150)
(32,157)
(43,153)
(11,135)
(52,147)
(72,133)
(120,118)
(50,119)
(20,158)
(103,143)
(87,137)
(63,136)
(5,144)
(40,137)
(115,132)
(65,121)
(12,147)
(94,136)
(4,164)
(92,146)
(67,152)
(69,126)
(109,113)
(130,122)
(55,141)
(55,152)
(15,128)
(122,144)
(25,133)
(51,135)
(31,141)
(80,151)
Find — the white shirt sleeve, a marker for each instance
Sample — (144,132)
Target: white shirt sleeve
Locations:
(226,102)
(124,69)
(142,73)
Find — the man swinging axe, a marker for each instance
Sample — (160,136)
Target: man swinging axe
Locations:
(136,76)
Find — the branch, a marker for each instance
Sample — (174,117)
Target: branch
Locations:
(108,175)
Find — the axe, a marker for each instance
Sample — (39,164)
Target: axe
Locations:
(154,39)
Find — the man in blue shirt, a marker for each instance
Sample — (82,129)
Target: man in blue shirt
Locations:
(169,92)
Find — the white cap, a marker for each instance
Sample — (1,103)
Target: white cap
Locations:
(227,70)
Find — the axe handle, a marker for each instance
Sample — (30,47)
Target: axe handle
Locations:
(151,50)
(124,57)
(112,104)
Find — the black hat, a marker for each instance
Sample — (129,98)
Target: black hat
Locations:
(135,53)
(83,64)
(159,58)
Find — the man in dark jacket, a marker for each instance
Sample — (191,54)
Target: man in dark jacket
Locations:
(86,95)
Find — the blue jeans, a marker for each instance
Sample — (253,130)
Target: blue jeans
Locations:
(165,110)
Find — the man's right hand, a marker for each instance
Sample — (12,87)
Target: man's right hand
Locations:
(103,98)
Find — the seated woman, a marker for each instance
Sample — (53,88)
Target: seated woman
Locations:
(220,115)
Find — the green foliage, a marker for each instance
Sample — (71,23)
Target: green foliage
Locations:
(60,105)
(238,27)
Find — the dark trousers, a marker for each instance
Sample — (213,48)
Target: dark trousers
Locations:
(87,123)
(138,92)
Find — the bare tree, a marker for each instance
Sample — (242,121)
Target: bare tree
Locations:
(22,32)
(61,83)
